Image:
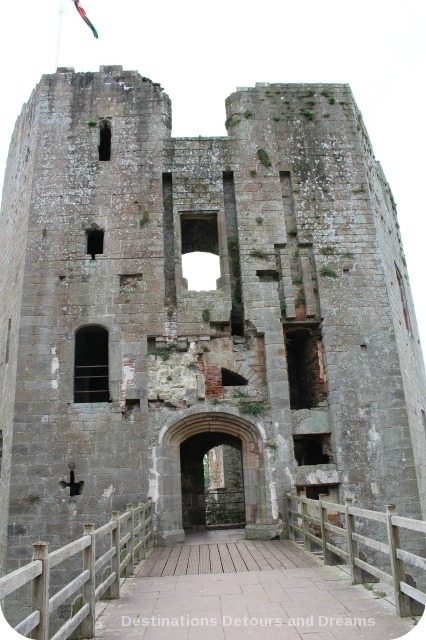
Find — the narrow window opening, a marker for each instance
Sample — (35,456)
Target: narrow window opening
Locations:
(423,419)
(91,365)
(403,300)
(312,449)
(105,141)
(231,379)
(95,242)
(1,450)
(305,368)
(169,241)
(9,329)
(200,251)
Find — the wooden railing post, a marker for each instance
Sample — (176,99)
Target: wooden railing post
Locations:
(402,601)
(130,544)
(305,523)
(291,534)
(356,572)
(114,590)
(151,524)
(324,533)
(142,532)
(88,624)
(40,591)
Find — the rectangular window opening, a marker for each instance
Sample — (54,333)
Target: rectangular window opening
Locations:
(169,240)
(95,242)
(91,376)
(105,141)
(312,448)
(200,250)
(306,374)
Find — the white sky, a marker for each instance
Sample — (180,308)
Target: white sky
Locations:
(200,52)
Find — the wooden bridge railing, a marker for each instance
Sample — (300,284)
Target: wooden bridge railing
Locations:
(130,539)
(319,531)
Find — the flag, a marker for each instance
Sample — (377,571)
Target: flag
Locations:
(85,18)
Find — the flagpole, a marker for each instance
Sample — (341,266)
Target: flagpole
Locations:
(58,45)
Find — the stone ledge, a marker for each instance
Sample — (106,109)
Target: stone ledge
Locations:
(317,474)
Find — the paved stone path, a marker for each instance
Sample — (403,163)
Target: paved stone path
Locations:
(300,603)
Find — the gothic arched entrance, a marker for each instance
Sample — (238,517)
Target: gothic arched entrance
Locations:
(203,430)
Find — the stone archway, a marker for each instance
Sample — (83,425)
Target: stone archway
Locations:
(166,473)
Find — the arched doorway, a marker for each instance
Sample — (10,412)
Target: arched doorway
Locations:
(212,481)
(261,512)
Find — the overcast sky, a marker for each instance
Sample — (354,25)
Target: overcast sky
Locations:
(201,52)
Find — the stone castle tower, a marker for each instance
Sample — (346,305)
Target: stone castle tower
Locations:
(117,379)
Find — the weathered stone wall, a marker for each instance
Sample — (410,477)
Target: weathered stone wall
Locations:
(17,194)
(225,496)
(302,220)
(313,133)
(65,289)
(407,403)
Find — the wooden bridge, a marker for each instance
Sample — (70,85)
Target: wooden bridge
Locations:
(224,556)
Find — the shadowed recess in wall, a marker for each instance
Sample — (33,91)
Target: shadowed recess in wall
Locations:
(91,365)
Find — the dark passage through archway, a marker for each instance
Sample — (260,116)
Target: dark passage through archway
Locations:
(212,481)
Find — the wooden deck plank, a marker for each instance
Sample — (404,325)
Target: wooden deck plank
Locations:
(227,564)
(276,563)
(260,559)
(249,561)
(295,554)
(194,560)
(150,562)
(170,566)
(204,559)
(182,563)
(161,561)
(235,554)
(276,551)
(215,561)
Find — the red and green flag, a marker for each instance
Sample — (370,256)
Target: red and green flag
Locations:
(84,16)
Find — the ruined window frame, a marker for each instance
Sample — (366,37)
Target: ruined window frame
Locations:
(216,248)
